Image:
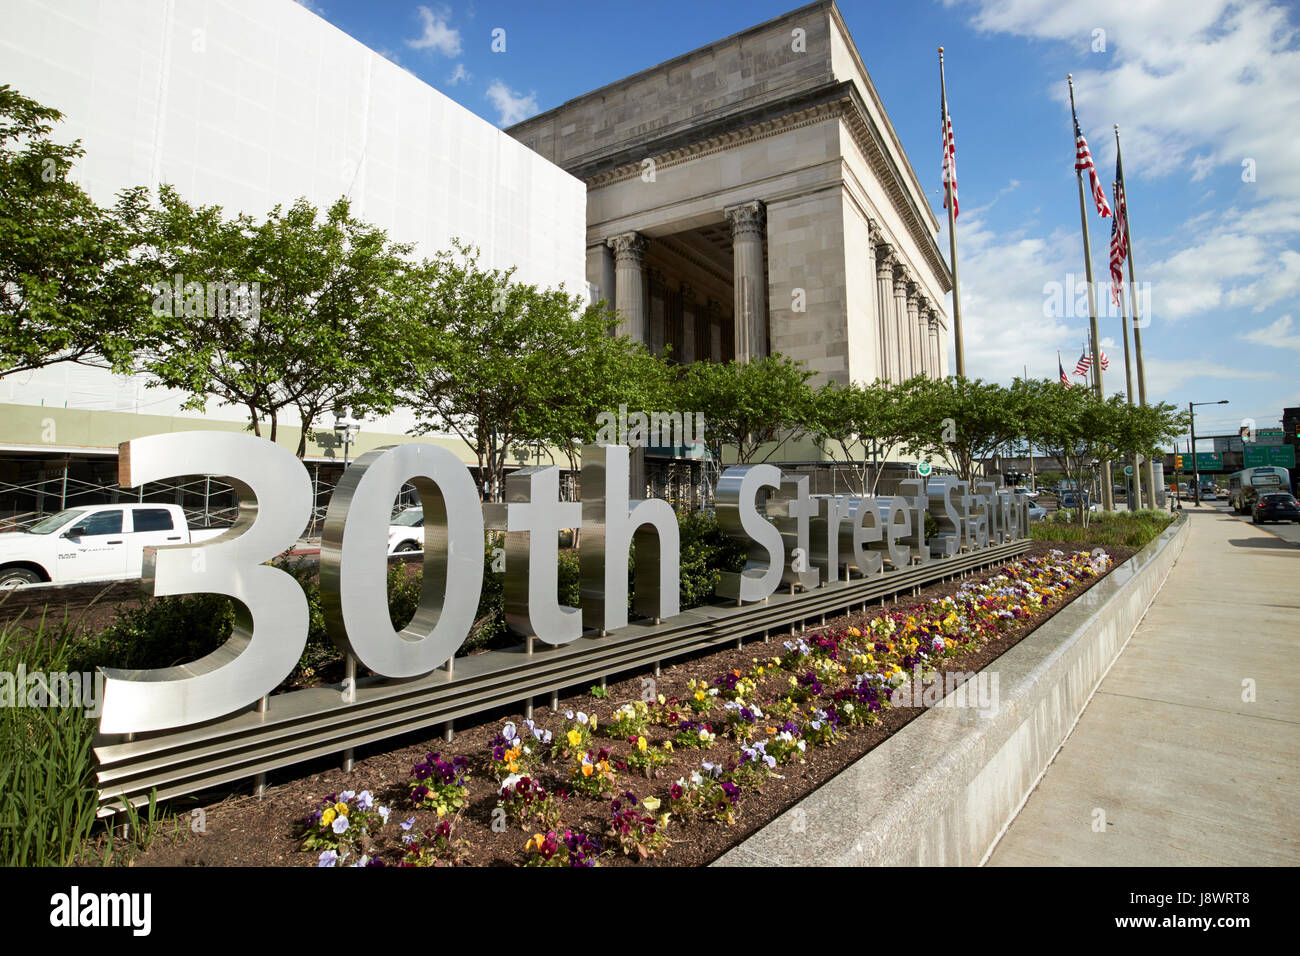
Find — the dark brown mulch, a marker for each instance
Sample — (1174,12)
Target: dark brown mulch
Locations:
(242,830)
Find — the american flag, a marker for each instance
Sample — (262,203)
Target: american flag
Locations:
(1085,363)
(1105,362)
(1118,245)
(949,162)
(1082,161)
(1065,379)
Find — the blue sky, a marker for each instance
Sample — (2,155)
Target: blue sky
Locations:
(1198,88)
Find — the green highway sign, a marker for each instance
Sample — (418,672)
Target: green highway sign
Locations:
(1209,461)
(1272,456)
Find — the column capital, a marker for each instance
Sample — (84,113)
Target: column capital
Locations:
(874,234)
(886,261)
(748,220)
(688,292)
(902,278)
(629,248)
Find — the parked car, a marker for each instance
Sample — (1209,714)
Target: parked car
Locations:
(1277,506)
(406,531)
(1037,513)
(92,543)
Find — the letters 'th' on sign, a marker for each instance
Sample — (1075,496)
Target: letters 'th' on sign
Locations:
(790,537)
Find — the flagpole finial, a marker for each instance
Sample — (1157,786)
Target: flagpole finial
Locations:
(940,49)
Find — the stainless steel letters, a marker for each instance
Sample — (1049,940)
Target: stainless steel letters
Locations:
(535,516)
(271,611)
(610,525)
(738,516)
(354,566)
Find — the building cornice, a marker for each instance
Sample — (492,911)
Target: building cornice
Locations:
(840,101)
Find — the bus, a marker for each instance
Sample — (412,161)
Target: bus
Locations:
(1245,486)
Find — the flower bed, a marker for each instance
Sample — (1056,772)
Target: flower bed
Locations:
(631,783)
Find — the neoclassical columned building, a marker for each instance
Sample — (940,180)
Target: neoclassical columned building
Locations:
(752,197)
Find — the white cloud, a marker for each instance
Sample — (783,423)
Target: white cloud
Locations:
(1195,85)
(1167,376)
(513,107)
(1275,335)
(436,35)
(458,74)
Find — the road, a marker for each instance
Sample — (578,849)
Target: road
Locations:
(1287,531)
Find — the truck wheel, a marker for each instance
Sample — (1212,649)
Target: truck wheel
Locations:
(11,578)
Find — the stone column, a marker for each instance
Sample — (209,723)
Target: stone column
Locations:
(934,343)
(686,354)
(713,319)
(600,270)
(747,232)
(873,310)
(629,284)
(901,336)
(657,321)
(885,313)
(914,328)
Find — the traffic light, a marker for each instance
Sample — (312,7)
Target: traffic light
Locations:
(1178,462)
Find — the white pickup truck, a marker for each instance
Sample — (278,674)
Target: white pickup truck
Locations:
(92,543)
(406,531)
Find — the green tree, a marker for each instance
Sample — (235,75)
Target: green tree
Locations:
(1074,426)
(507,365)
(964,421)
(297,312)
(70,288)
(858,424)
(747,405)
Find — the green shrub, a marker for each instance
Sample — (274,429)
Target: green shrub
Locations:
(47,792)
(707,551)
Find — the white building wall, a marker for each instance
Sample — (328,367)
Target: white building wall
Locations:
(252,103)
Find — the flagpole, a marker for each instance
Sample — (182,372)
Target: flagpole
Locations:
(1136,503)
(1106,491)
(952,234)
(1137,322)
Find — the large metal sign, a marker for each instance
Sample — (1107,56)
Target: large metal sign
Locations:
(793,540)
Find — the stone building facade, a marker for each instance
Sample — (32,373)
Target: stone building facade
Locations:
(752,197)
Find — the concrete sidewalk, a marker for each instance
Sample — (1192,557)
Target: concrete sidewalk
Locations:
(1169,765)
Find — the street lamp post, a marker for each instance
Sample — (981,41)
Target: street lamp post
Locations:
(345,430)
(1196,474)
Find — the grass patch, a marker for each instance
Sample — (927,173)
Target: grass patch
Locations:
(1130,529)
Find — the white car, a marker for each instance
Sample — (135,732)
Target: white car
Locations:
(1037,513)
(92,543)
(406,531)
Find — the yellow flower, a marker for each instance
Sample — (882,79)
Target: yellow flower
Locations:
(586,770)
(341,809)
(327,817)
(641,744)
(699,695)
(441,811)
(593,721)
(668,746)
(575,738)
(651,803)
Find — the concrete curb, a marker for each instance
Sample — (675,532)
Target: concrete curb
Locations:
(941,791)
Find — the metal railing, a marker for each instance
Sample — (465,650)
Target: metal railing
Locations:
(318,722)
